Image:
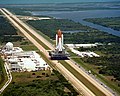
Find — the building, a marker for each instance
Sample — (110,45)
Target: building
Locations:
(81,45)
(9,49)
(26,61)
(83,54)
(19,60)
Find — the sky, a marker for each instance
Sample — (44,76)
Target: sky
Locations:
(48,1)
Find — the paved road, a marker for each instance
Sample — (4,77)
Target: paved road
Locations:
(75,82)
(90,80)
(9,78)
(30,30)
(81,88)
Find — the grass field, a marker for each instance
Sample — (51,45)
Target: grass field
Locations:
(22,77)
(3,75)
(99,76)
(94,69)
(39,32)
(29,48)
(82,79)
(40,42)
(78,60)
(88,67)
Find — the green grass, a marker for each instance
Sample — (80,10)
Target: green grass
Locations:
(79,61)
(44,36)
(99,76)
(21,77)
(25,84)
(82,79)
(71,53)
(0,13)
(40,42)
(74,72)
(112,22)
(110,84)
(29,48)
(39,32)
(66,65)
(3,75)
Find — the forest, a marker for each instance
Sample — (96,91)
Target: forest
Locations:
(84,35)
(7,32)
(109,62)
(47,86)
(54,85)
(111,22)
(2,73)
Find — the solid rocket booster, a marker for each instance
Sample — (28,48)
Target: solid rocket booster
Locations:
(59,41)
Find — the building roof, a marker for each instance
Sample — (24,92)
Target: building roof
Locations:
(84,54)
(80,45)
(29,60)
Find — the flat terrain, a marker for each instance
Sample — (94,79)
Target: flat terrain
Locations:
(84,34)
(8,31)
(38,83)
(92,36)
(3,76)
(88,37)
(21,26)
(18,9)
(113,22)
(54,89)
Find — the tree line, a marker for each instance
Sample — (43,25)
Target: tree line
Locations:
(109,62)
(7,32)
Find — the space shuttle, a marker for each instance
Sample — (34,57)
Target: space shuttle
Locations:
(59,53)
(59,41)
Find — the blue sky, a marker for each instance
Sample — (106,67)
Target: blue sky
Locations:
(48,1)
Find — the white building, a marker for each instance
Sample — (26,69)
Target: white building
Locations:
(83,54)
(81,45)
(27,61)
(20,60)
(9,49)
(9,46)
